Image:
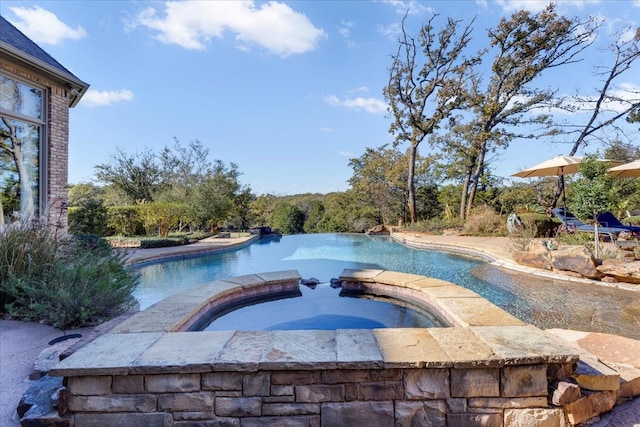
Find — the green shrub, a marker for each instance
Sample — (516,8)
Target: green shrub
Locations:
(90,217)
(26,251)
(124,221)
(288,219)
(633,220)
(544,225)
(163,242)
(64,281)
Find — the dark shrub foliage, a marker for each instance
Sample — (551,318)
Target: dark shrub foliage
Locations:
(88,218)
(64,281)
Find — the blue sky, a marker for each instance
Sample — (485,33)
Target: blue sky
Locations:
(289,91)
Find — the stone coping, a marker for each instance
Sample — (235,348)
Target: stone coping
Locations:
(156,340)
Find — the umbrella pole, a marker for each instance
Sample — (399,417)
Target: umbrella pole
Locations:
(564,199)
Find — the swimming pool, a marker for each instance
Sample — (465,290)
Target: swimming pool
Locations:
(542,302)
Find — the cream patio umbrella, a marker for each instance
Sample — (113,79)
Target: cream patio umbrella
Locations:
(627,170)
(556,166)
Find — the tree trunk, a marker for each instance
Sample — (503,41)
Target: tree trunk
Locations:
(411,189)
(475,178)
(463,198)
(596,242)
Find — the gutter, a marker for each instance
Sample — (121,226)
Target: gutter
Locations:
(77,88)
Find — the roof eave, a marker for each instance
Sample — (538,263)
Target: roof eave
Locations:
(77,87)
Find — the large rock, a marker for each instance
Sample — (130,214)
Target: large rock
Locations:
(577,259)
(38,408)
(628,272)
(536,256)
(378,230)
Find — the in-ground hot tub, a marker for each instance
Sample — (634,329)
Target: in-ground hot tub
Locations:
(487,367)
(318,306)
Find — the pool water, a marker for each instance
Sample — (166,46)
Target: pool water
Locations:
(541,302)
(322,308)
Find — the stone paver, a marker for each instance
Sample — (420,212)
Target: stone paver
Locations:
(110,354)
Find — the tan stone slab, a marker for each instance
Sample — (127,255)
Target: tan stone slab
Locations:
(450,291)
(109,354)
(247,280)
(427,282)
(300,350)
(186,299)
(357,348)
(595,378)
(210,290)
(363,275)
(612,348)
(182,352)
(410,348)
(280,276)
(396,279)
(476,312)
(466,349)
(525,344)
(160,317)
(243,351)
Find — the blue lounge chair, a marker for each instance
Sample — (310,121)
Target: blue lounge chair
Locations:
(607,219)
(574,223)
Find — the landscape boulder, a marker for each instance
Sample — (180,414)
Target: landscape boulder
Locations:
(628,272)
(378,229)
(536,256)
(577,259)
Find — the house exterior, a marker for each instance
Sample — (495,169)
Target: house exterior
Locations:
(36,93)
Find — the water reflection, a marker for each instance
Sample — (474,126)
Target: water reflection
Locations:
(542,302)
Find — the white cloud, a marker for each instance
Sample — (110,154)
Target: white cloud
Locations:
(344,29)
(370,105)
(326,130)
(95,98)
(392,31)
(272,25)
(361,89)
(538,5)
(44,27)
(347,154)
(412,7)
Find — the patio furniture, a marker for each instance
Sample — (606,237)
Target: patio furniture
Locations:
(607,219)
(573,223)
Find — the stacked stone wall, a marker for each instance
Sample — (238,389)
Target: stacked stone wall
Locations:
(508,396)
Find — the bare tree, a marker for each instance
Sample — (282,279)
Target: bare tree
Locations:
(527,45)
(610,105)
(425,78)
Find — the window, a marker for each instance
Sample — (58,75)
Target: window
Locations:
(22,130)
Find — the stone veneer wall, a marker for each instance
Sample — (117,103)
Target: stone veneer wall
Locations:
(57,141)
(488,370)
(507,396)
